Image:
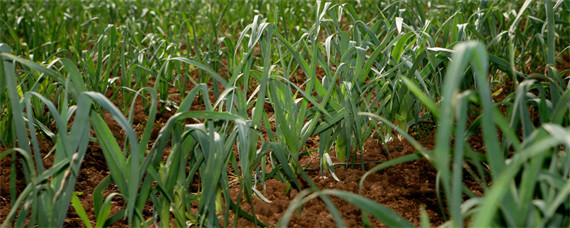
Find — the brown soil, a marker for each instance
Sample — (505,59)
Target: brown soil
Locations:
(402,188)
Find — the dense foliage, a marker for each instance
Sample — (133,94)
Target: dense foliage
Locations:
(343,71)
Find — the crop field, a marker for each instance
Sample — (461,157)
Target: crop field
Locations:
(253,113)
